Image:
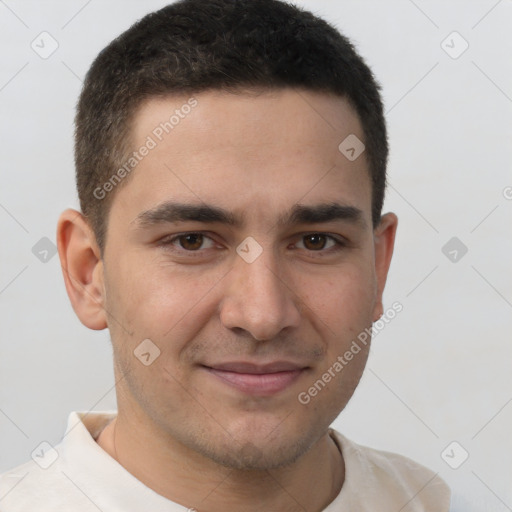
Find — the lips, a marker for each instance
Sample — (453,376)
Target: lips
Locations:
(257,379)
(257,369)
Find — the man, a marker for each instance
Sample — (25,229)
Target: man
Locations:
(231,166)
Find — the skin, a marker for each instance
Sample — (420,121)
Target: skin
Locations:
(182,430)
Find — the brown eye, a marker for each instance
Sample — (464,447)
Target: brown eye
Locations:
(321,243)
(315,241)
(187,243)
(191,241)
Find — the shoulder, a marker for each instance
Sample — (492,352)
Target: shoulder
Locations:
(389,478)
(47,482)
(31,487)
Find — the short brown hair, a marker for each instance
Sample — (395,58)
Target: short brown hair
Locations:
(195,45)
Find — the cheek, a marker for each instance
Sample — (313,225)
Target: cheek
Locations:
(344,299)
(160,300)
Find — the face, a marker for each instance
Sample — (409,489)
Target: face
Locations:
(242,246)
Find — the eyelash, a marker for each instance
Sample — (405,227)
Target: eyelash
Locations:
(167,243)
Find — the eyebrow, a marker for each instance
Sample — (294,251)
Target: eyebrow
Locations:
(171,211)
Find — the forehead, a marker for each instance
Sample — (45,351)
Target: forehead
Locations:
(262,151)
(216,118)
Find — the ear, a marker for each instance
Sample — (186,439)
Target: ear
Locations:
(384,242)
(82,268)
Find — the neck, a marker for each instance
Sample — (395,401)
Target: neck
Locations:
(186,477)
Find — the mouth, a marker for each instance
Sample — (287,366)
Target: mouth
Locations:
(254,379)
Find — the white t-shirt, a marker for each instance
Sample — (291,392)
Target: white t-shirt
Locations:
(77,475)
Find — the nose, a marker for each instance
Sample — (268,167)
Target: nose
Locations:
(259,299)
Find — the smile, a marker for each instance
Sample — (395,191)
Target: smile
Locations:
(257,380)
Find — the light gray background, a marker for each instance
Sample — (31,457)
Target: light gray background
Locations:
(440,372)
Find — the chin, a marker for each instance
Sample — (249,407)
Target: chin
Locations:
(255,450)
(250,457)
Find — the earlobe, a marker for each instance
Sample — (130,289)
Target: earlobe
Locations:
(82,269)
(384,240)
